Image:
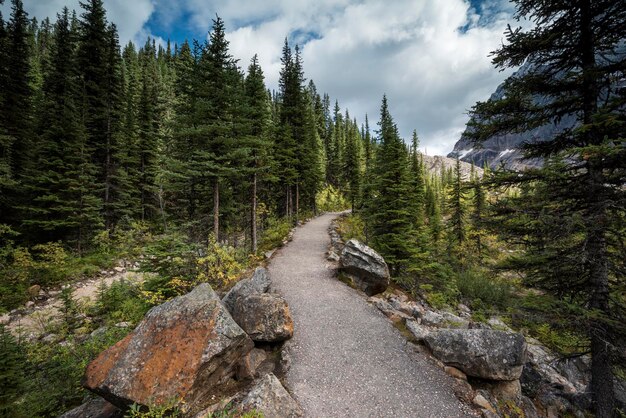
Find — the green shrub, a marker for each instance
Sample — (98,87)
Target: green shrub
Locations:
(219,267)
(482,291)
(54,374)
(351,227)
(274,232)
(330,199)
(12,377)
(123,301)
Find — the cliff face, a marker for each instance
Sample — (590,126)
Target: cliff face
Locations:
(503,150)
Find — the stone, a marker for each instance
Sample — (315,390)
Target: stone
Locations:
(452,321)
(34,291)
(498,324)
(185,349)
(576,369)
(418,331)
(50,338)
(507,390)
(365,267)
(29,304)
(123,325)
(260,282)
(488,354)
(265,317)
(454,372)
(119,269)
(481,401)
(99,331)
(250,364)
(269,254)
(528,408)
(270,398)
(332,256)
(94,408)
(432,319)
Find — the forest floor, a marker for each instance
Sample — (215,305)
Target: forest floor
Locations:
(347,358)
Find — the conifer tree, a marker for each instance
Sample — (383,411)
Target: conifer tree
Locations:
(458,213)
(17,110)
(65,205)
(573,55)
(259,119)
(390,217)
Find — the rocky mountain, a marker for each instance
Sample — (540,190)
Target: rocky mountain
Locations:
(503,150)
(433,165)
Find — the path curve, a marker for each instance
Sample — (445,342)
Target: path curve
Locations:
(347,358)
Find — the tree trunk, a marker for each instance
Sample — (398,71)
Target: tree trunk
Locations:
(297,202)
(216,209)
(596,255)
(253,215)
(596,250)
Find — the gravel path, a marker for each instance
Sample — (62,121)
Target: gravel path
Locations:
(347,358)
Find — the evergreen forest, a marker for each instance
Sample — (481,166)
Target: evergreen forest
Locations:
(179,156)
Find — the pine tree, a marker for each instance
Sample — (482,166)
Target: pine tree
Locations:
(573,57)
(390,217)
(62,182)
(457,223)
(259,119)
(17,110)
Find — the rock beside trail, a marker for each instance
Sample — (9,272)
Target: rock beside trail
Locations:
(265,317)
(270,398)
(94,408)
(365,267)
(185,349)
(487,354)
(260,282)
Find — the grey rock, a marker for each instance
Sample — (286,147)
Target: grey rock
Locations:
(432,319)
(185,349)
(49,338)
(269,397)
(529,409)
(419,332)
(577,370)
(365,267)
(260,282)
(94,408)
(250,364)
(453,321)
(487,354)
(265,317)
(123,325)
(497,323)
(99,331)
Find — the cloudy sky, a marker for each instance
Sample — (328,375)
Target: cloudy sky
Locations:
(429,56)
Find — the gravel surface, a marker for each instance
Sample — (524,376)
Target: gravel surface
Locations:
(347,358)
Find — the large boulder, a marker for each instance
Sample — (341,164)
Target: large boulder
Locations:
(260,282)
(365,267)
(270,398)
(94,408)
(265,317)
(184,350)
(488,354)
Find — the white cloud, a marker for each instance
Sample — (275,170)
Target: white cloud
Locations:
(130,16)
(411,50)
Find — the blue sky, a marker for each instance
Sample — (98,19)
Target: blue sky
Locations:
(429,56)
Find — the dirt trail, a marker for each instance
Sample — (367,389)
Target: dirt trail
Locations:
(347,358)
(31,322)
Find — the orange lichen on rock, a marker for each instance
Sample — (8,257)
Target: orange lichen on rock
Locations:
(183,351)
